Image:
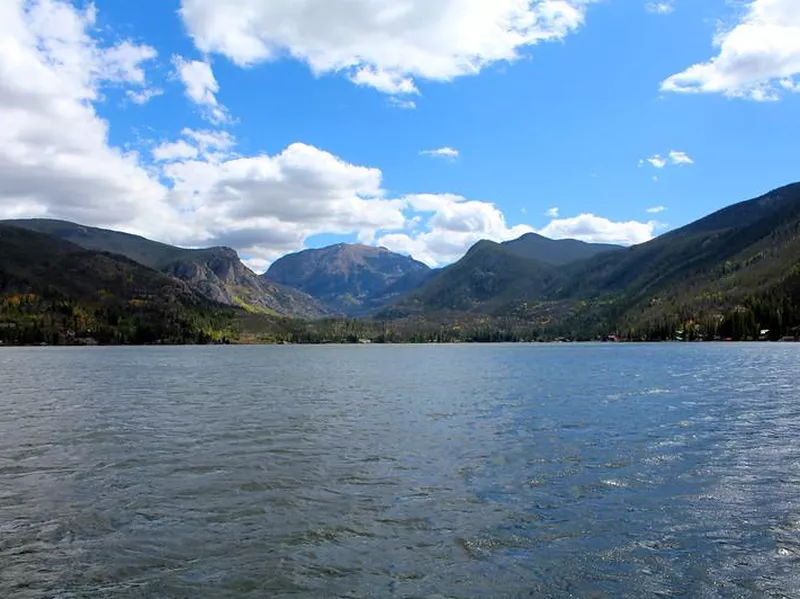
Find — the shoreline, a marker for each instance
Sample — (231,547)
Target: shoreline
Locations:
(342,343)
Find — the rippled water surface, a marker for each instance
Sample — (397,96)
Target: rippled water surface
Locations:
(427,471)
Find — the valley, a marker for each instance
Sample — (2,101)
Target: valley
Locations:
(734,274)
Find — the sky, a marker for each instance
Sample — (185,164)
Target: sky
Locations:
(420,125)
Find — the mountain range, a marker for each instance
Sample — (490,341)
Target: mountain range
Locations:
(216,272)
(744,259)
(734,273)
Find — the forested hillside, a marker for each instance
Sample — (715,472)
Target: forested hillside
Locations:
(732,274)
(216,272)
(52,291)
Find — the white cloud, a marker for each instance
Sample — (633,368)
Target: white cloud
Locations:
(388,83)
(656,209)
(386,44)
(790,85)
(679,158)
(592,228)
(201,88)
(674,158)
(267,205)
(446,152)
(754,57)
(143,96)
(660,8)
(197,191)
(176,150)
(54,152)
(657,161)
(402,103)
(552,213)
(209,141)
(56,160)
(452,225)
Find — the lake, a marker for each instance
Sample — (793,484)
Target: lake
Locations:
(400,471)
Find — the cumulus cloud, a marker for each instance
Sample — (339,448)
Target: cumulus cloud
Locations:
(201,88)
(195,189)
(552,212)
(660,8)
(300,184)
(656,209)
(54,152)
(56,159)
(446,152)
(757,59)
(450,224)
(596,229)
(266,205)
(385,44)
(674,158)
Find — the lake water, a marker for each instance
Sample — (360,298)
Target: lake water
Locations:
(400,471)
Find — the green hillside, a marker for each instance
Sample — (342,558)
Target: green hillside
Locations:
(488,277)
(216,272)
(52,291)
(731,274)
(556,252)
(730,265)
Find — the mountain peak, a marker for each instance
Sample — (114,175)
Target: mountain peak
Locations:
(556,252)
(352,278)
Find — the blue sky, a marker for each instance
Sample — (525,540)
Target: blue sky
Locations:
(422,125)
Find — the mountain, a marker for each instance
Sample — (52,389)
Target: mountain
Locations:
(697,250)
(55,291)
(556,251)
(217,273)
(728,262)
(489,275)
(492,274)
(727,274)
(733,274)
(351,279)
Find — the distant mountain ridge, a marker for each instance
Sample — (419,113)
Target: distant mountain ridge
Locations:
(352,279)
(556,251)
(488,274)
(216,272)
(723,273)
(732,274)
